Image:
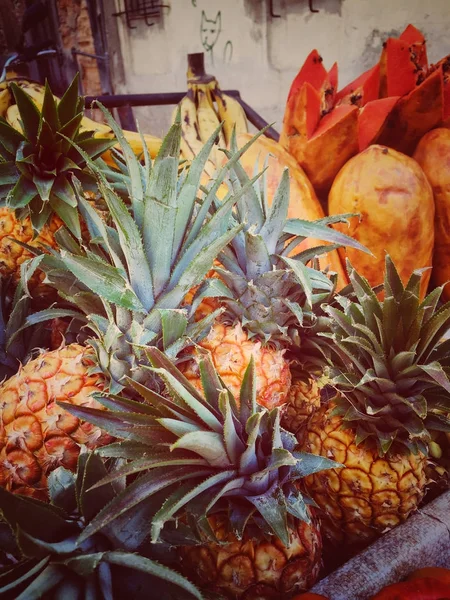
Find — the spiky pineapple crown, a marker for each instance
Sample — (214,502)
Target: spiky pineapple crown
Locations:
(391,369)
(47,558)
(131,278)
(14,309)
(198,455)
(21,330)
(39,162)
(275,295)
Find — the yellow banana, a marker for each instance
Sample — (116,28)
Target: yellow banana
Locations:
(33,86)
(33,89)
(36,91)
(91,125)
(152,142)
(101,130)
(13,117)
(134,139)
(5,101)
(206,115)
(231,113)
(191,144)
(207,120)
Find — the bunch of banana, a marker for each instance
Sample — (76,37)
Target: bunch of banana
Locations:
(203,108)
(10,112)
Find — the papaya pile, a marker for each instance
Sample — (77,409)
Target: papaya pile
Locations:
(394,103)
(380,147)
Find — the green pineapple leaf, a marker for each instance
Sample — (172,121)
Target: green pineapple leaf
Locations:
(42,160)
(319,230)
(221,458)
(390,362)
(49,561)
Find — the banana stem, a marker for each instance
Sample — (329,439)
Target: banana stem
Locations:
(196,69)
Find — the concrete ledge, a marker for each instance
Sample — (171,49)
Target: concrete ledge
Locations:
(423,541)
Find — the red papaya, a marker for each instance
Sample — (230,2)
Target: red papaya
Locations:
(312,72)
(372,118)
(362,90)
(316,132)
(413,115)
(403,63)
(328,90)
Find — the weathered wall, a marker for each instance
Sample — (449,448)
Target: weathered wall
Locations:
(249,50)
(75,31)
(10,20)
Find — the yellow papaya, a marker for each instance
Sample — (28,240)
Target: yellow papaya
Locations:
(433,155)
(391,193)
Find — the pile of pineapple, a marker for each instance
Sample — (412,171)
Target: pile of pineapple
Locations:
(187,402)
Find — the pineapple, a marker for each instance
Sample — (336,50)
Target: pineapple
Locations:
(16,342)
(392,393)
(302,402)
(43,560)
(37,436)
(130,301)
(13,255)
(37,173)
(131,280)
(221,476)
(270,300)
(231,349)
(260,569)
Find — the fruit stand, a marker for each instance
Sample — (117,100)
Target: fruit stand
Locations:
(224,357)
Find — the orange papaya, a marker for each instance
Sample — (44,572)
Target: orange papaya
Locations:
(443,66)
(439,573)
(392,195)
(334,141)
(433,155)
(302,114)
(416,589)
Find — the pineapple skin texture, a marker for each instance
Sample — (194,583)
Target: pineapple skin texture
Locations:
(36,435)
(251,570)
(303,401)
(12,255)
(371,494)
(231,351)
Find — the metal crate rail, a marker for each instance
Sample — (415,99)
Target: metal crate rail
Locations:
(124,102)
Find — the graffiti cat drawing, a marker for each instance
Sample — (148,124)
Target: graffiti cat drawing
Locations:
(210,30)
